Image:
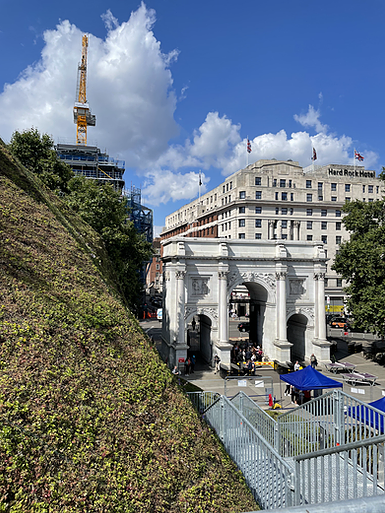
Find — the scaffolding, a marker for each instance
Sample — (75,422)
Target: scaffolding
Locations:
(141,216)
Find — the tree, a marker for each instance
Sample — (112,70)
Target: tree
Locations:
(36,152)
(361,261)
(107,212)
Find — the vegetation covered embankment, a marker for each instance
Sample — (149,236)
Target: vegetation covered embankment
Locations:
(90,418)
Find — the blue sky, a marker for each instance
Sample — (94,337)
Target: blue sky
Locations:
(178,86)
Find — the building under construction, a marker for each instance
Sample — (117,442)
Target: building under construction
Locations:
(90,162)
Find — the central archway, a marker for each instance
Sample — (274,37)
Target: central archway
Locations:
(258,299)
(296,335)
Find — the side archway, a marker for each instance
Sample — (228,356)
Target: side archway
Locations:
(296,335)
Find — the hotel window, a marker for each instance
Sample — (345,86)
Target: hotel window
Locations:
(291,211)
(258,210)
(215,197)
(229,198)
(370,200)
(347,199)
(227,187)
(363,188)
(282,183)
(241,236)
(242,210)
(276,195)
(338,226)
(334,198)
(309,197)
(276,210)
(231,185)
(258,194)
(274,182)
(309,237)
(324,225)
(229,225)
(284,196)
(309,225)
(338,213)
(257,180)
(291,196)
(308,184)
(290,182)
(309,211)
(284,224)
(347,187)
(258,235)
(320,197)
(284,211)
(223,227)
(258,223)
(338,239)
(226,200)
(224,188)
(377,188)
(284,236)
(320,185)
(223,201)
(334,186)
(370,189)
(339,282)
(326,282)
(241,223)
(242,194)
(324,239)
(323,212)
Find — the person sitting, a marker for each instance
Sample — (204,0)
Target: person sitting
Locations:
(175,371)
(313,361)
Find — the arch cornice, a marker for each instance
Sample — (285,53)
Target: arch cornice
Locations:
(266,280)
(209,311)
(306,311)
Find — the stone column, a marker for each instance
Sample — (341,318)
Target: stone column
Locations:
(321,307)
(281,306)
(316,308)
(180,299)
(279,229)
(222,307)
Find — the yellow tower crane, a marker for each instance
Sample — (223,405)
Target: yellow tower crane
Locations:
(82,113)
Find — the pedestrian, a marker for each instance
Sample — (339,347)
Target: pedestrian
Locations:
(193,323)
(187,365)
(287,389)
(313,361)
(217,362)
(192,363)
(296,366)
(175,371)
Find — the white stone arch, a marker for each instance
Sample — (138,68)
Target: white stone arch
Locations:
(210,312)
(265,280)
(307,312)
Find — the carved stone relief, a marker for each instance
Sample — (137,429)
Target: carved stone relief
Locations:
(199,286)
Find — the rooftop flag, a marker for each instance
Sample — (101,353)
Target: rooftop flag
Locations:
(358,156)
(314,157)
(248,146)
(200,179)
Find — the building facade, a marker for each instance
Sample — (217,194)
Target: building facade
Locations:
(280,200)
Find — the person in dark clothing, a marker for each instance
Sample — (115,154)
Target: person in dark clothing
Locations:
(192,363)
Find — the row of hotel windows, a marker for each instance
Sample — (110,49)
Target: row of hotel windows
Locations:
(284,236)
(284,211)
(285,197)
(289,183)
(258,224)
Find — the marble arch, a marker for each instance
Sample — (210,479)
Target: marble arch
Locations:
(199,275)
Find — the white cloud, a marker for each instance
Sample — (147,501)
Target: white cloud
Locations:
(162,186)
(129,89)
(311,119)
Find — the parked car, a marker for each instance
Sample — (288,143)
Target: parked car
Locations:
(244,326)
(339,322)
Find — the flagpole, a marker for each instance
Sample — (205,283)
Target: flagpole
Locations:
(200,184)
(247,151)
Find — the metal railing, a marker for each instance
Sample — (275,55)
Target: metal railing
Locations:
(269,477)
(203,400)
(327,450)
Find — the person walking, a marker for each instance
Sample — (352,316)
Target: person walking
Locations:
(296,366)
(313,361)
(217,362)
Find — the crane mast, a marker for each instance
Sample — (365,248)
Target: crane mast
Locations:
(82,113)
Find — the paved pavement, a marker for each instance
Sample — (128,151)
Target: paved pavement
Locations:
(205,378)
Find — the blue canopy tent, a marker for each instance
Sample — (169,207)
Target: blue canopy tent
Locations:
(310,379)
(368,416)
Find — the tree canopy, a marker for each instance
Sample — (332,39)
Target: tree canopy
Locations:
(361,261)
(102,207)
(36,152)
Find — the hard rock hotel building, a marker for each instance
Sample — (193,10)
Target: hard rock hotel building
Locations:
(273,199)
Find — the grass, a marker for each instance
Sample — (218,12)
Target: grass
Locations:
(91,418)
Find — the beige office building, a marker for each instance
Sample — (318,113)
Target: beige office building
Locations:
(274,199)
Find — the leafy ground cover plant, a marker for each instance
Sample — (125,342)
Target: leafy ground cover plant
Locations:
(90,417)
